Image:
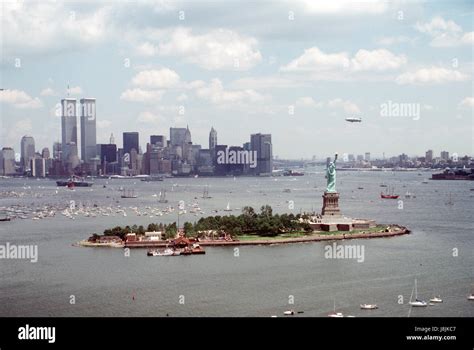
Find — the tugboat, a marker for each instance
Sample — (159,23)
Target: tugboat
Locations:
(74,181)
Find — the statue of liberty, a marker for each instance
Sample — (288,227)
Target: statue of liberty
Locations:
(331,175)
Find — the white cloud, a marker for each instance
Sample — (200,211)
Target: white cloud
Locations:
(343,7)
(431,75)
(265,82)
(182,98)
(75,90)
(315,64)
(220,49)
(50,27)
(377,60)
(140,95)
(157,78)
(445,33)
(47,92)
(215,93)
(348,106)
(308,102)
(467,102)
(20,99)
(313,59)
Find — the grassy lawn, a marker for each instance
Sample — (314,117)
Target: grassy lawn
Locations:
(301,234)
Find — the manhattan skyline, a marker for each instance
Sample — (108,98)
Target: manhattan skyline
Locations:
(288,70)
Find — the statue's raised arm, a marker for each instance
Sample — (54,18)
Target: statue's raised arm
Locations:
(331,175)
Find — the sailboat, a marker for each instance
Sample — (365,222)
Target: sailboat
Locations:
(228,207)
(450,201)
(334,313)
(390,195)
(206,192)
(163,197)
(416,302)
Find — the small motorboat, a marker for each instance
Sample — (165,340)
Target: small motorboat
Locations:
(368,306)
(470,297)
(436,299)
(336,314)
(289,312)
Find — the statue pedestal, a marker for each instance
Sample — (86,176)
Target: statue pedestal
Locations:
(331,205)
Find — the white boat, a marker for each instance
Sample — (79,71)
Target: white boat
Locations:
(416,302)
(166,252)
(436,299)
(334,313)
(289,312)
(368,306)
(228,207)
(470,297)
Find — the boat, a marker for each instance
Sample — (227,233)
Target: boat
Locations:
(335,314)
(289,312)
(166,252)
(128,194)
(153,178)
(409,195)
(163,197)
(454,174)
(74,181)
(383,185)
(424,182)
(368,306)
(436,299)
(228,207)
(470,297)
(205,193)
(290,172)
(287,190)
(360,188)
(5,219)
(450,201)
(417,302)
(390,195)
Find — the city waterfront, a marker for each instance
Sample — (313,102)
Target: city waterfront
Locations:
(255,280)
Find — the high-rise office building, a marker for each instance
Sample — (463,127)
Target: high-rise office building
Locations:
(88,130)
(38,167)
(7,161)
(262,144)
(429,156)
(130,141)
(68,127)
(27,152)
(445,155)
(112,139)
(212,139)
(45,153)
(107,152)
(179,136)
(367,156)
(57,150)
(158,140)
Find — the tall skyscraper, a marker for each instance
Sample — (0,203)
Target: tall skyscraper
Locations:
(429,156)
(7,161)
(57,150)
(262,143)
(27,152)
(130,141)
(88,130)
(367,156)
(212,139)
(158,140)
(178,136)
(112,139)
(445,155)
(45,153)
(68,127)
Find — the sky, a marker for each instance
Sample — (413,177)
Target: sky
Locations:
(294,69)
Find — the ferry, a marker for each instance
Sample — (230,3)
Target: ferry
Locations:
(74,181)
